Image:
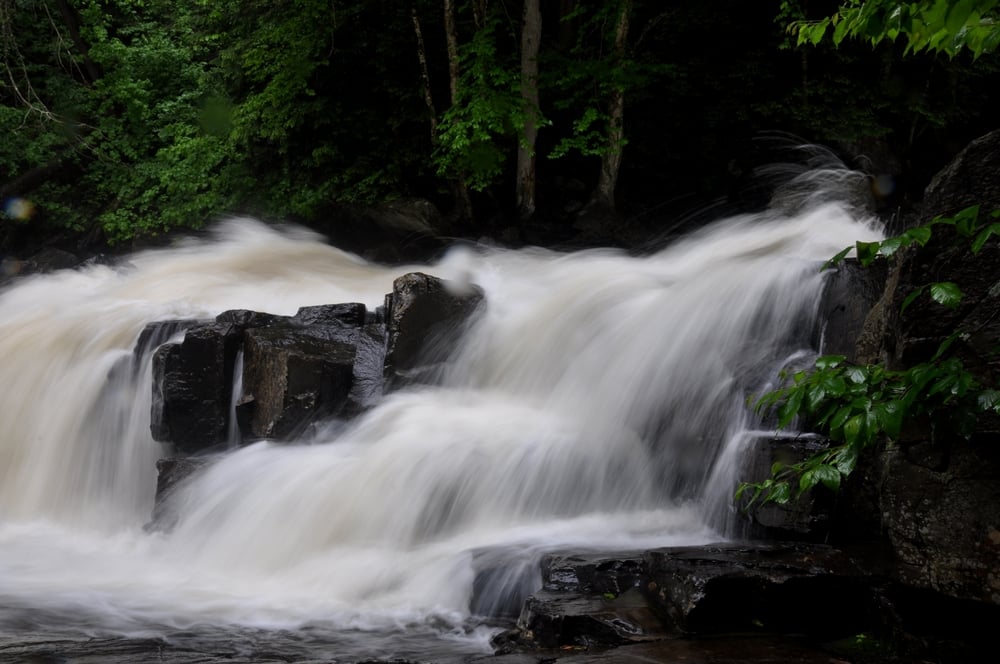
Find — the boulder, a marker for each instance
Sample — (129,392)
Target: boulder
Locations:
(776,587)
(613,599)
(969,179)
(806,517)
(192,387)
(170,473)
(941,511)
(938,493)
(850,293)
(293,376)
(590,600)
(424,318)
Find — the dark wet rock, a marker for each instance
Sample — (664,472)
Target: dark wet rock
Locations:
(192,387)
(941,512)
(555,620)
(938,498)
(587,601)
(293,376)
(505,577)
(244,319)
(347,315)
(156,334)
(607,600)
(173,470)
(425,317)
(971,178)
(49,260)
(782,587)
(368,369)
(405,229)
(850,293)
(170,473)
(805,517)
(733,649)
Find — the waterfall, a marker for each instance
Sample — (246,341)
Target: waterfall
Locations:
(598,402)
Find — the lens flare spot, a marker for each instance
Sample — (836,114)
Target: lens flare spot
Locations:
(20,209)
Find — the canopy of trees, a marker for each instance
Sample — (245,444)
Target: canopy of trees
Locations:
(123,119)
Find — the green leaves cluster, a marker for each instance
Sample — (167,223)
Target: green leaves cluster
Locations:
(938,26)
(488,114)
(856,406)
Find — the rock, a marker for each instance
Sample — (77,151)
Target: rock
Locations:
(850,293)
(969,179)
(776,587)
(806,517)
(156,334)
(938,494)
(347,315)
(553,620)
(192,387)
(614,599)
(170,472)
(406,229)
(245,319)
(293,376)
(49,260)
(941,512)
(369,367)
(425,317)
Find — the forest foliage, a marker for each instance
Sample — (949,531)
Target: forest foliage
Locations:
(124,119)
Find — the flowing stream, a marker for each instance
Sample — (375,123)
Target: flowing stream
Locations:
(598,402)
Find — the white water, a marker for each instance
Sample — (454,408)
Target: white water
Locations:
(598,402)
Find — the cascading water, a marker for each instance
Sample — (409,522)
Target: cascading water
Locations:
(597,402)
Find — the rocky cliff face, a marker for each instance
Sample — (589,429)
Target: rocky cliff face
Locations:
(934,495)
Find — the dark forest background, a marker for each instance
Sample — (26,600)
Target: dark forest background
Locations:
(123,120)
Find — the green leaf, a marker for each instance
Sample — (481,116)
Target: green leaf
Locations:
(946,293)
(984,235)
(840,32)
(967,220)
(989,400)
(890,246)
(840,255)
(856,374)
(828,475)
(845,459)
(890,417)
(829,361)
(840,418)
(853,428)
(791,408)
(867,251)
(959,15)
(780,493)
(808,481)
(920,234)
(908,300)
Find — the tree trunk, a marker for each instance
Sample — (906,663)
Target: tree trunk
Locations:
(72,22)
(451,36)
(425,78)
(479,12)
(531,33)
(460,190)
(604,193)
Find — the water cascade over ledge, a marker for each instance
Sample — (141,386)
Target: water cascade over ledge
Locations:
(597,402)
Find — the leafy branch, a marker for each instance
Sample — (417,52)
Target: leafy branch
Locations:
(856,406)
(937,26)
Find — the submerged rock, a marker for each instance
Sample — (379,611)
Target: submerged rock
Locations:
(192,387)
(424,318)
